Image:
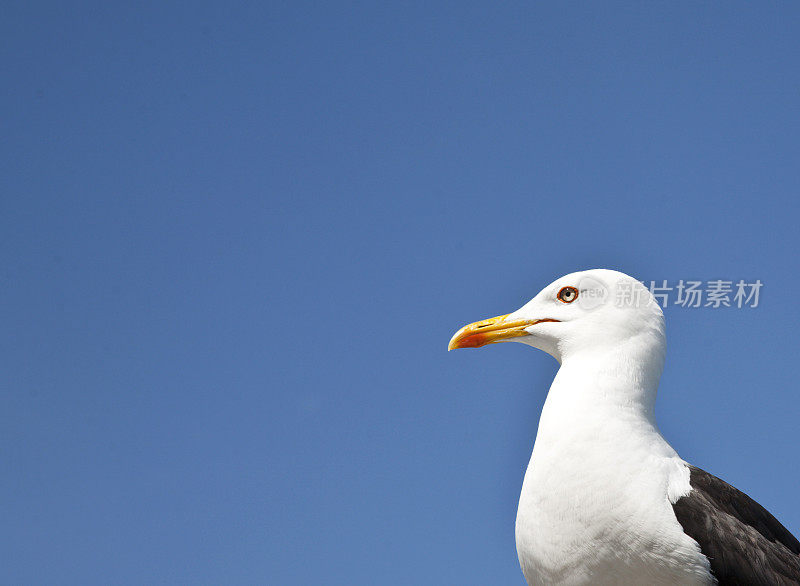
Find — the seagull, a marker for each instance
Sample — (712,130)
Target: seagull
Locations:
(605,499)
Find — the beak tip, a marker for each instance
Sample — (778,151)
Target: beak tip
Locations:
(453,343)
(462,342)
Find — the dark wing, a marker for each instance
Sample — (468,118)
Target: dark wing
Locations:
(744,543)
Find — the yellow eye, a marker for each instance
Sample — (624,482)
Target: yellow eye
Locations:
(567,294)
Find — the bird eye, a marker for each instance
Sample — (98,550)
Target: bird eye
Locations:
(567,294)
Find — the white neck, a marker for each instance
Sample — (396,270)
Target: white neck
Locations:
(600,467)
(625,376)
(596,389)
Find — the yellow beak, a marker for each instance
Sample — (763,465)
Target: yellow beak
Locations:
(491,330)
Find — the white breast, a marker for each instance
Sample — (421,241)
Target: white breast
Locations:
(596,502)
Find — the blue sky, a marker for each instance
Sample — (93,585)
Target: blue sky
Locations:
(236,238)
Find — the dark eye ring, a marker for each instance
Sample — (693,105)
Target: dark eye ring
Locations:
(567,294)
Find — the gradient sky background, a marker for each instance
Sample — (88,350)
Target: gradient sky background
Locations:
(236,239)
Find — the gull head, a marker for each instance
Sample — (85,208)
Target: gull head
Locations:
(598,310)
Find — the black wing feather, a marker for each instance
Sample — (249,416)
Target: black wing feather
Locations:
(744,543)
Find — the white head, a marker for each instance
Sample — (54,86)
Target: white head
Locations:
(589,311)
